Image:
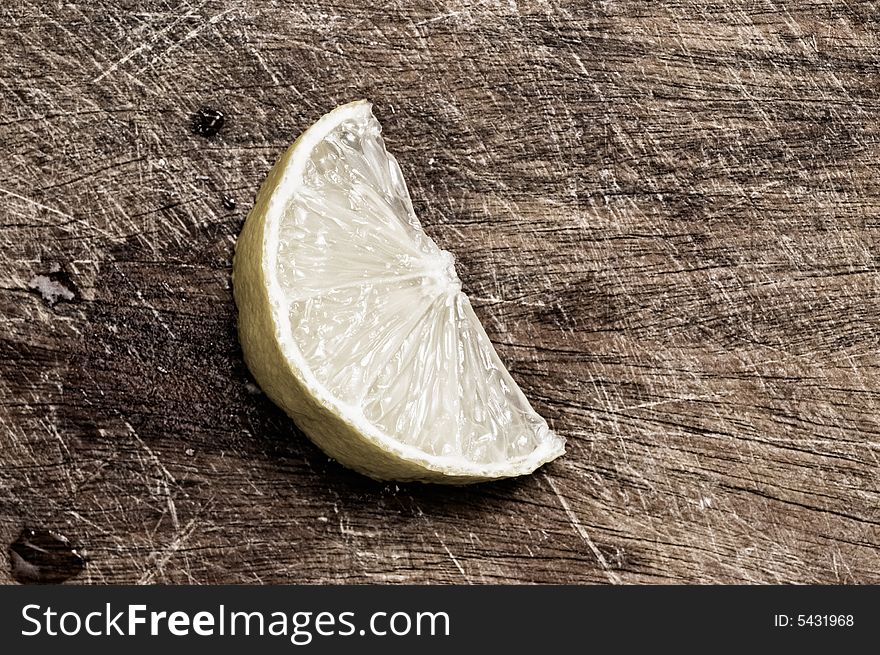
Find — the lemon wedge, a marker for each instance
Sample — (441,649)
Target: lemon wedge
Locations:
(354,322)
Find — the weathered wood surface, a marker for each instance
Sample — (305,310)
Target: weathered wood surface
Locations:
(668,214)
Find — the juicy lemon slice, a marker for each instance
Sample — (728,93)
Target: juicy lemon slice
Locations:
(354,322)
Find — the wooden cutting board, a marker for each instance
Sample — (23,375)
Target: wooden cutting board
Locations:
(666,213)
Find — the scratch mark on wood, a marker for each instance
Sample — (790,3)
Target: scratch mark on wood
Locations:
(576,524)
(150,44)
(39,205)
(453,558)
(162,559)
(165,479)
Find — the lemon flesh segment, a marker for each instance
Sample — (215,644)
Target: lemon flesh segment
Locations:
(353,320)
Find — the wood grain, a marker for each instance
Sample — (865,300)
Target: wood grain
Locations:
(667,214)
